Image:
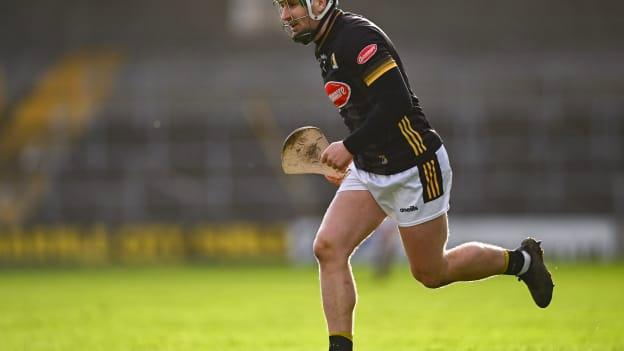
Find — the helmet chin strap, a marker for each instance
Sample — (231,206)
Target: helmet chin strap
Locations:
(306,37)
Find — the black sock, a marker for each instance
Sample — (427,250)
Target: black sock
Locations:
(516,261)
(340,343)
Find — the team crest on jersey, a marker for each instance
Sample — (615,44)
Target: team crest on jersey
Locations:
(338,92)
(366,54)
(323,61)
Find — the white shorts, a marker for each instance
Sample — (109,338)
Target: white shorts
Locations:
(411,197)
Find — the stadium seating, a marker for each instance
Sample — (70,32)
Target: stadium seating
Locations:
(528,102)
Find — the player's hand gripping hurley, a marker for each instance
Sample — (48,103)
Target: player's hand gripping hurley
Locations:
(301,153)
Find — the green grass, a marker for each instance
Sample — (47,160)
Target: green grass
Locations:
(273,308)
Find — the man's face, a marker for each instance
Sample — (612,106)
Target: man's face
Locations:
(294,16)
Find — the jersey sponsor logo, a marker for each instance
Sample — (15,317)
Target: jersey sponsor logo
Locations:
(366,54)
(338,92)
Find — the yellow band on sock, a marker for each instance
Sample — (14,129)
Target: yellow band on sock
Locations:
(345,334)
(506,266)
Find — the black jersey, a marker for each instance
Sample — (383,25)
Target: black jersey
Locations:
(365,79)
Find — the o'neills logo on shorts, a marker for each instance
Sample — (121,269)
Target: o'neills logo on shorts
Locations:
(366,54)
(338,92)
(409,209)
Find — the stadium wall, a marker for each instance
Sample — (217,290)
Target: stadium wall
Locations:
(139,244)
(564,238)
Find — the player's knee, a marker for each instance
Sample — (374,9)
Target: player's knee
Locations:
(326,251)
(429,279)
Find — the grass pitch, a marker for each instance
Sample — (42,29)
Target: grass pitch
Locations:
(278,308)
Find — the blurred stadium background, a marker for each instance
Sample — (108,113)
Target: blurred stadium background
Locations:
(147,134)
(148,131)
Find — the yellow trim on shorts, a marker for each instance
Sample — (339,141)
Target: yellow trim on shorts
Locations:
(379,71)
(428,178)
(432,167)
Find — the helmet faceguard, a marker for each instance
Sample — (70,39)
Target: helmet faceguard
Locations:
(304,37)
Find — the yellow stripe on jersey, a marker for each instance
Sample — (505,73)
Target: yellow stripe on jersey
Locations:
(412,136)
(420,141)
(384,67)
(408,138)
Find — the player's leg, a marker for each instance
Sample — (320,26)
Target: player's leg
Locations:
(425,242)
(434,266)
(424,228)
(350,218)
